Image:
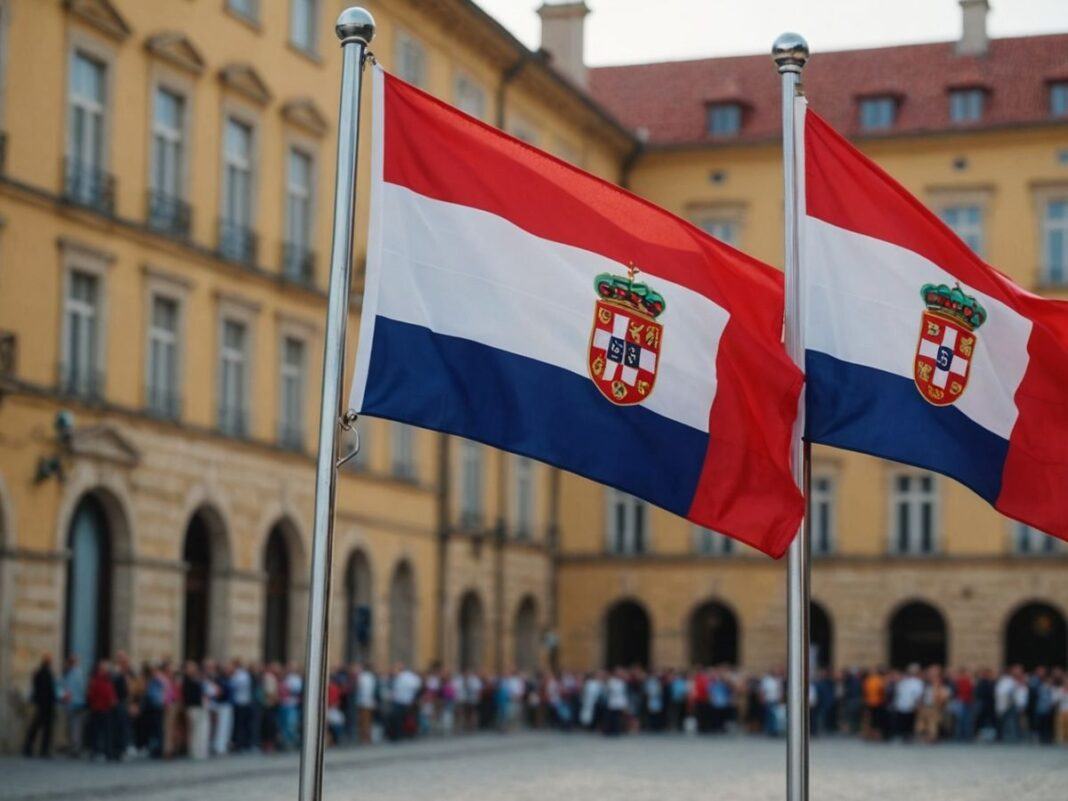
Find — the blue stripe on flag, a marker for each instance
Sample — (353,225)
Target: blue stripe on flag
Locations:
(863,409)
(523,405)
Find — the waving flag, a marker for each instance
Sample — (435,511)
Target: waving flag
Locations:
(518,301)
(918,351)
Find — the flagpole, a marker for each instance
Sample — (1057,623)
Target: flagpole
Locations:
(355,28)
(790,52)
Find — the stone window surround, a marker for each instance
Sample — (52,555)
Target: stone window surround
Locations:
(613,496)
(531,534)
(721,211)
(308,146)
(172,286)
(233,109)
(940,198)
(292,327)
(1042,193)
(163,76)
(242,310)
(77,256)
(892,475)
(81,40)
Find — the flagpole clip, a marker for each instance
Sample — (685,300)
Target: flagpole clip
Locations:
(347,422)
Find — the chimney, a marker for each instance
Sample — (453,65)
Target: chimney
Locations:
(973,38)
(562,36)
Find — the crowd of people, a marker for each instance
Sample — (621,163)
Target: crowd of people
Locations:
(164,710)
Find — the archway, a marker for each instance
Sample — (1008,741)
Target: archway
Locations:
(821,636)
(89,583)
(526,635)
(627,634)
(402,615)
(277,564)
(471,621)
(713,635)
(206,556)
(1036,635)
(917,634)
(358,622)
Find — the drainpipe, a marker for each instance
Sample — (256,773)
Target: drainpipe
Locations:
(629,162)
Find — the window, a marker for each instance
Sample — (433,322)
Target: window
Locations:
(522,129)
(233,379)
(166,211)
(877,113)
(250,9)
(1058,99)
(967,223)
(470,484)
(85,180)
(402,440)
(469,96)
(724,119)
(724,230)
(821,511)
(1055,241)
(162,389)
(304,24)
(410,59)
(291,422)
(966,105)
(913,506)
(80,373)
(1027,541)
(235,235)
(297,261)
(711,543)
(523,475)
(626,524)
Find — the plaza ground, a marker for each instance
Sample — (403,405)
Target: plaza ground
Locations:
(569,768)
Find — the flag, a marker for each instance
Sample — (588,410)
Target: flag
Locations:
(515,300)
(917,350)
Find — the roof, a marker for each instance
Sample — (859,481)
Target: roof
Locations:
(669,100)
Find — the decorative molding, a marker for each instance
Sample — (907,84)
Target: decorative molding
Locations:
(104,442)
(77,248)
(153,563)
(232,299)
(176,49)
(100,14)
(31,555)
(302,112)
(244,80)
(297,323)
(178,280)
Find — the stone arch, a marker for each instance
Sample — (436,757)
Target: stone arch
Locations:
(715,634)
(208,559)
(358,607)
(471,630)
(917,632)
(821,636)
(402,614)
(628,634)
(1036,634)
(525,634)
(284,588)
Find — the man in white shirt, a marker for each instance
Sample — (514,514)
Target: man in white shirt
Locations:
(405,691)
(908,692)
(615,702)
(241,695)
(365,701)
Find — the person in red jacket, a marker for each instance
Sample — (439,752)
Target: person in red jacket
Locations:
(101,699)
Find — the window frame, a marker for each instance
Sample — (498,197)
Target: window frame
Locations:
(882,103)
(402,40)
(406,469)
(635,539)
(471,500)
(737,119)
(245,313)
(1058,94)
(75,257)
(159,284)
(1045,200)
(895,499)
(164,79)
(299,145)
(297,425)
(463,79)
(959,100)
(827,497)
(711,544)
(528,476)
(315,13)
(1020,533)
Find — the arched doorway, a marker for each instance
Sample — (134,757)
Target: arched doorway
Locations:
(917,634)
(526,635)
(277,564)
(89,583)
(1036,635)
(821,636)
(469,656)
(358,622)
(402,615)
(206,556)
(713,635)
(627,633)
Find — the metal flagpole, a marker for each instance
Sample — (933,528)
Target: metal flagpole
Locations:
(790,53)
(355,28)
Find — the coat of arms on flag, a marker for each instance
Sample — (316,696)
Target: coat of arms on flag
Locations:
(947,343)
(625,340)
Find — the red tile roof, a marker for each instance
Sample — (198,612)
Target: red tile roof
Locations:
(670,99)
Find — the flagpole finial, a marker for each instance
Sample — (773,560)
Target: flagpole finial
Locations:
(355,25)
(790,52)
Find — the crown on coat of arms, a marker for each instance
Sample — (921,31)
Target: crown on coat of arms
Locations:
(630,293)
(953,303)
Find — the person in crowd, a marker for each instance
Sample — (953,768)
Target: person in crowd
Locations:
(74,686)
(933,707)
(1060,698)
(615,702)
(290,691)
(241,697)
(404,691)
(771,698)
(592,689)
(823,718)
(1006,691)
(43,698)
(102,699)
(197,715)
(335,718)
(121,675)
(908,693)
(270,693)
(366,701)
(153,705)
(962,707)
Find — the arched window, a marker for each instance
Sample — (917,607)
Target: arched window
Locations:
(526,635)
(88,613)
(1036,635)
(197,557)
(402,615)
(917,634)
(713,635)
(277,564)
(471,623)
(627,633)
(821,636)
(359,625)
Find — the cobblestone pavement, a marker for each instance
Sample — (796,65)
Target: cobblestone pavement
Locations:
(553,767)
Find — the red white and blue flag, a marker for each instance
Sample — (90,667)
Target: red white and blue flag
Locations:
(516,300)
(917,350)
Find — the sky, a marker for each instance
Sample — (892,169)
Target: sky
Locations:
(628,31)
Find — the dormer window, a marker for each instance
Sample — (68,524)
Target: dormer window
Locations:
(724,119)
(878,113)
(966,105)
(1058,99)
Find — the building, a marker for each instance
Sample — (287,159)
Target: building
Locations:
(165,188)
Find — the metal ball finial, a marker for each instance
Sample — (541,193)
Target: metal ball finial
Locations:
(355,25)
(790,52)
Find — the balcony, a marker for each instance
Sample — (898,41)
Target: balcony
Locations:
(291,437)
(168,215)
(237,242)
(233,421)
(80,381)
(163,403)
(85,185)
(298,264)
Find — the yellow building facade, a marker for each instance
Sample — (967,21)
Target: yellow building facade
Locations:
(165,201)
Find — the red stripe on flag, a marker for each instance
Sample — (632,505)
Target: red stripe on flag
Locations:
(441,153)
